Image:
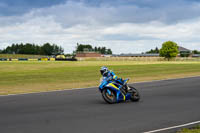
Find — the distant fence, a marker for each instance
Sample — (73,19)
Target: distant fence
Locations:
(70,59)
(146,59)
(3,59)
(37,59)
(23,59)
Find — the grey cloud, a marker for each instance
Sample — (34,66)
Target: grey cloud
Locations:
(20,7)
(75,13)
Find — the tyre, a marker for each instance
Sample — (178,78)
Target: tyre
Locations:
(135,96)
(109,98)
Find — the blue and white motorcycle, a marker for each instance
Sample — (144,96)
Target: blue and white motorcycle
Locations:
(113,92)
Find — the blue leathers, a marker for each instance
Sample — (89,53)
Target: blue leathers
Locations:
(112,75)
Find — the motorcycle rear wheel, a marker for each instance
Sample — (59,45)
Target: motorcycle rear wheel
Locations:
(109,98)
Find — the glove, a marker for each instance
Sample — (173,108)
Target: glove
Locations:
(110,78)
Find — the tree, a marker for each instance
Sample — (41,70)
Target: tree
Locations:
(95,49)
(109,51)
(196,52)
(47,49)
(103,50)
(169,50)
(84,47)
(153,51)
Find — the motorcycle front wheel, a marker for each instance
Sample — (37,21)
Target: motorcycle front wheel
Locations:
(135,96)
(109,96)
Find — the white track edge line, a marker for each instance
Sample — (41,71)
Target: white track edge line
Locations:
(173,127)
(95,86)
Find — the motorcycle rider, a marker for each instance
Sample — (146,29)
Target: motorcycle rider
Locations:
(105,72)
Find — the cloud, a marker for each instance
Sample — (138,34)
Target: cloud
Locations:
(168,12)
(108,12)
(20,7)
(125,27)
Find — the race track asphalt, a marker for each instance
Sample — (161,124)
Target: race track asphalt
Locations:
(163,104)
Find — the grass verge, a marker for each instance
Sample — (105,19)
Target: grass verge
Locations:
(27,77)
(192,130)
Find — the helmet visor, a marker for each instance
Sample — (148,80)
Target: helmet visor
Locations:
(102,71)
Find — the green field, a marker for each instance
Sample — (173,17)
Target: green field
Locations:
(24,77)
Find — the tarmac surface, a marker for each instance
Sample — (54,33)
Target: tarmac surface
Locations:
(164,104)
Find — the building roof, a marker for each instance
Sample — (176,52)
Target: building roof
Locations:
(183,49)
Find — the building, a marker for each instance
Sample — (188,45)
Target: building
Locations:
(184,52)
(182,49)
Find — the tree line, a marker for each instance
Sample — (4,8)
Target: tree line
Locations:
(196,52)
(88,47)
(34,49)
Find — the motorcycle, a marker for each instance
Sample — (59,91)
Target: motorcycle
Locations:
(113,92)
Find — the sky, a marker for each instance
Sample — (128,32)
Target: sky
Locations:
(125,26)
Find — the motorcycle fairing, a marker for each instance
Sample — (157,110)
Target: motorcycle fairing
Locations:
(119,96)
